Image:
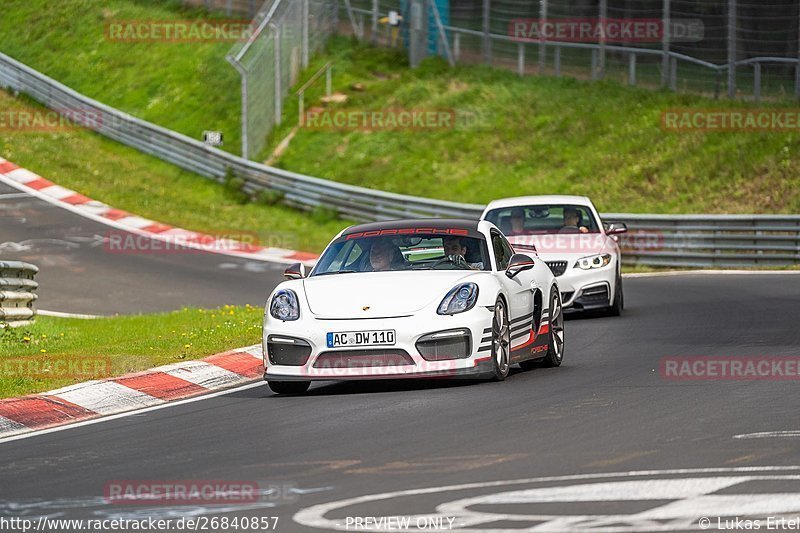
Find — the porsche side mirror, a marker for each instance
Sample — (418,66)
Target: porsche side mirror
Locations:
(295,271)
(518,263)
(615,228)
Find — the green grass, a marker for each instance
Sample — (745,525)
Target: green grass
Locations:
(187,87)
(113,346)
(542,135)
(127,179)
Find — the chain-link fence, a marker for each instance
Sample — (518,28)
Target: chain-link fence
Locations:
(742,49)
(286,33)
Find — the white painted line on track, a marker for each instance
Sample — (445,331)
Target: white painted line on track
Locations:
(133,413)
(673,273)
(769,435)
(59,314)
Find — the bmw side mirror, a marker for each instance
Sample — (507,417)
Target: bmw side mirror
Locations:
(519,263)
(615,228)
(295,271)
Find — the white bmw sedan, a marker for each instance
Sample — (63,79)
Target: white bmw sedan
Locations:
(567,233)
(412,299)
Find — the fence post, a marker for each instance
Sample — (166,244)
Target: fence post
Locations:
(542,40)
(666,16)
(305,31)
(487,40)
(557,61)
(601,66)
(276,36)
(731,48)
(757,82)
(375,12)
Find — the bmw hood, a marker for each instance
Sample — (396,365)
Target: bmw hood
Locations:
(379,294)
(564,247)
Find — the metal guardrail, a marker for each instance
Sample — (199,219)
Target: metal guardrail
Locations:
(16,293)
(661,240)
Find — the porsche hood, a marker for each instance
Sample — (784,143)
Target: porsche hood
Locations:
(366,295)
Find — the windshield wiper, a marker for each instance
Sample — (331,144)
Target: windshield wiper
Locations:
(336,272)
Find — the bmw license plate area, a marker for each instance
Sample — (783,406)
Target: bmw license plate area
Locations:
(383,337)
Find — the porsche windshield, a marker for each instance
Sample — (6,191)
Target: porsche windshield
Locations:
(394,253)
(543,219)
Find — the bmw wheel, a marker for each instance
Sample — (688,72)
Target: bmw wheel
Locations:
(501,341)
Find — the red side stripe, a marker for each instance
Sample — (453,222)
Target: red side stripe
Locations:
(156,228)
(302,256)
(161,385)
(76,199)
(238,363)
(115,214)
(43,411)
(527,343)
(544,328)
(6,167)
(39,184)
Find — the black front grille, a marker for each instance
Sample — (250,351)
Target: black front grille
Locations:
(595,294)
(287,350)
(444,349)
(363,358)
(557,267)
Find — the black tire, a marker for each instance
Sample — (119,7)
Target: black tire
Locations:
(555,345)
(501,342)
(619,299)
(289,387)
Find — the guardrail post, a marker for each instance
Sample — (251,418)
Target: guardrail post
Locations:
(594,64)
(731,48)
(673,74)
(456,47)
(521,59)
(487,40)
(632,70)
(17,296)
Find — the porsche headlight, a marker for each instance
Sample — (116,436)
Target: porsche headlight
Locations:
(460,298)
(284,305)
(593,261)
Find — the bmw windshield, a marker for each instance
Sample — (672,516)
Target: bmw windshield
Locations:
(544,219)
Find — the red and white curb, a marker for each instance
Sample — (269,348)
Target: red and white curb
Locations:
(28,182)
(157,386)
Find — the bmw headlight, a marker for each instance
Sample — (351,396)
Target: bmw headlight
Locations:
(593,261)
(284,305)
(460,298)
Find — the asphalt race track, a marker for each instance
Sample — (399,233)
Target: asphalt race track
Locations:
(75,267)
(606,413)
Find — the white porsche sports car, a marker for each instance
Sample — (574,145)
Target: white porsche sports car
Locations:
(567,233)
(412,299)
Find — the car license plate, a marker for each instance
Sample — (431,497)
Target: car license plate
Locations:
(384,337)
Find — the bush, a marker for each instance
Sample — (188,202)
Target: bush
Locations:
(323,214)
(269,197)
